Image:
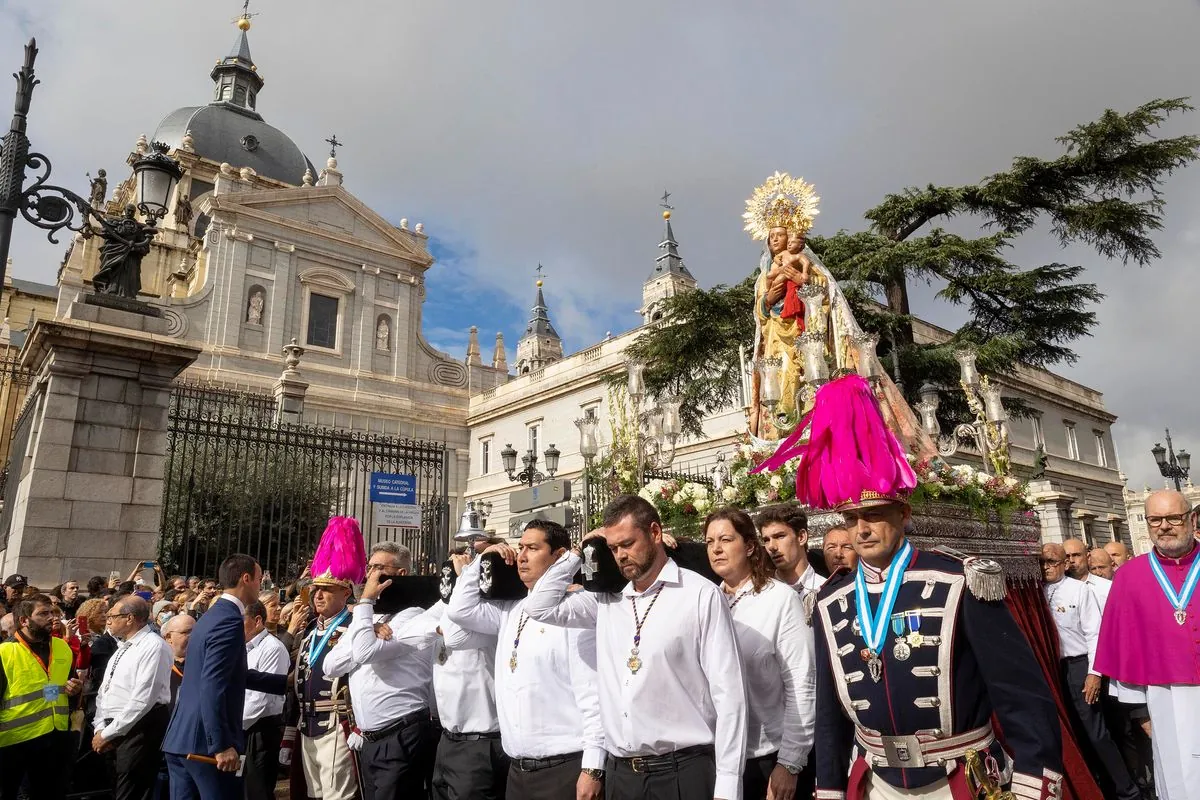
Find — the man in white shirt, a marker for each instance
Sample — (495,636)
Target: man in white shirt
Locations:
(262,716)
(132,707)
(546,698)
(1118,552)
(389,684)
(1100,564)
(784,532)
(673,699)
(470,759)
(1076,613)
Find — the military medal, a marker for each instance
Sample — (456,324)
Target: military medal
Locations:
(874,625)
(914,638)
(900,650)
(1178,600)
(635,662)
(512,660)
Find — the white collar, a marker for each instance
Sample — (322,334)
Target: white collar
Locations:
(129,642)
(257,640)
(670,573)
(233,599)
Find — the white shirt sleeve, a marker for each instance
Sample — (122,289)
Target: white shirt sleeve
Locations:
(339,660)
(150,668)
(794,650)
(587,695)
(1089,620)
(550,602)
(264,658)
(468,608)
(367,648)
(722,665)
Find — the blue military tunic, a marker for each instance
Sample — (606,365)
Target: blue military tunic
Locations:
(323,700)
(948,661)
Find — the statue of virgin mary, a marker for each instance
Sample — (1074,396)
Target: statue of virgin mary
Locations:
(799,307)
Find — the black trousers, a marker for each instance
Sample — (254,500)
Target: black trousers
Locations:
(1090,720)
(263,742)
(35,762)
(472,769)
(694,775)
(391,767)
(550,783)
(133,762)
(757,776)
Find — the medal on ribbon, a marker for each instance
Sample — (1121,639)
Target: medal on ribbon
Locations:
(1178,600)
(901,651)
(874,625)
(914,638)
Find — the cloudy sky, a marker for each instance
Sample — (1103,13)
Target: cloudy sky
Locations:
(538,132)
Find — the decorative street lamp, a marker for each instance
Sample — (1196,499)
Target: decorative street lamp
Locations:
(989,431)
(1172,465)
(53,208)
(529,475)
(589,448)
(657,433)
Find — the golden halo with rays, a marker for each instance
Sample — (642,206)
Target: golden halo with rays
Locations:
(781,202)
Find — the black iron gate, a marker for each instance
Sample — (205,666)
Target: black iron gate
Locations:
(237,481)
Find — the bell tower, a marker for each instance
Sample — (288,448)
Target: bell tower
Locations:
(669,277)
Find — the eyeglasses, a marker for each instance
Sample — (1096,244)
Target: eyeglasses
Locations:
(1050,562)
(1174,521)
(116,616)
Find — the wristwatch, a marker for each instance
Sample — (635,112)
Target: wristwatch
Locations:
(792,769)
(598,774)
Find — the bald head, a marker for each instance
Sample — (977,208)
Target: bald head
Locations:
(1054,562)
(1100,564)
(1076,553)
(1118,552)
(176,632)
(8,626)
(1171,523)
(136,607)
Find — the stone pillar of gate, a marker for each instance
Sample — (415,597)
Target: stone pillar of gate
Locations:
(90,490)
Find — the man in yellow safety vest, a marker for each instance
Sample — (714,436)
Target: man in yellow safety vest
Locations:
(36,678)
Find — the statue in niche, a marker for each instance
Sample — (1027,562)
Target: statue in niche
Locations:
(254,310)
(126,242)
(383,335)
(183,211)
(99,186)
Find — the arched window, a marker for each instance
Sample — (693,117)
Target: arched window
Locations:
(201,227)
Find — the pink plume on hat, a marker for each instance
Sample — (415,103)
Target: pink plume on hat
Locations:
(341,555)
(851,454)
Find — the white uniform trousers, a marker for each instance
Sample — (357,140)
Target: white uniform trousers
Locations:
(876,789)
(328,770)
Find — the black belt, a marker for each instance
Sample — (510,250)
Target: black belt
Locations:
(667,762)
(534,764)
(142,719)
(469,737)
(421,714)
(1073,659)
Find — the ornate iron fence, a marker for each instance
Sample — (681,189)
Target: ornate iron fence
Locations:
(238,481)
(603,489)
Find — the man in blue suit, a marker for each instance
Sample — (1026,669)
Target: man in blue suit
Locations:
(208,712)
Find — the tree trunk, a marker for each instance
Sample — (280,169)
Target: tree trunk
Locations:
(897,301)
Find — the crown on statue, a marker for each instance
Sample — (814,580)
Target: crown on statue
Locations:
(781,202)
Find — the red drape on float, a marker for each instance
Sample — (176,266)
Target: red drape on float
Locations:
(1029,609)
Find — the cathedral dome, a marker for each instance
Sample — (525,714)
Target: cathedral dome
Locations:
(222,133)
(230,129)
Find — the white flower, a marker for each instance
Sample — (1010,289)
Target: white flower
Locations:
(702,505)
(776,482)
(626,475)
(762,496)
(1010,482)
(963,470)
(678,498)
(646,494)
(728,493)
(698,490)
(910,458)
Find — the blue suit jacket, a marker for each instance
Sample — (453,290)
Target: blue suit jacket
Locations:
(208,710)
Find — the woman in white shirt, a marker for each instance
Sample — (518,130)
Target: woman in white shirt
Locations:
(776,646)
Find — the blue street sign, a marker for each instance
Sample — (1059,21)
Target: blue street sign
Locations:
(387,487)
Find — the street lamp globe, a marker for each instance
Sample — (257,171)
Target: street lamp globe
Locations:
(508,457)
(1184,459)
(670,419)
(552,453)
(156,174)
(636,381)
(589,443)
(1160,453)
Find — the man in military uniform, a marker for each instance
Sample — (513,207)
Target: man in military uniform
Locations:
(326,758)
(905,712)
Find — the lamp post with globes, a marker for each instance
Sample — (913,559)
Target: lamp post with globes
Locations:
(1172,465)
(658,434)
(530,475)
(53,208)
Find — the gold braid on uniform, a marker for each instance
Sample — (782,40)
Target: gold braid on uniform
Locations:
(984,576)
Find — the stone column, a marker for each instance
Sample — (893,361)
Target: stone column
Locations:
(90,489)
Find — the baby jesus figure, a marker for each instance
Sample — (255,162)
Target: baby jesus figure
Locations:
(789,271)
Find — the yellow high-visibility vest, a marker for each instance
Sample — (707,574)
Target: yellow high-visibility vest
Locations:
(35,702)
